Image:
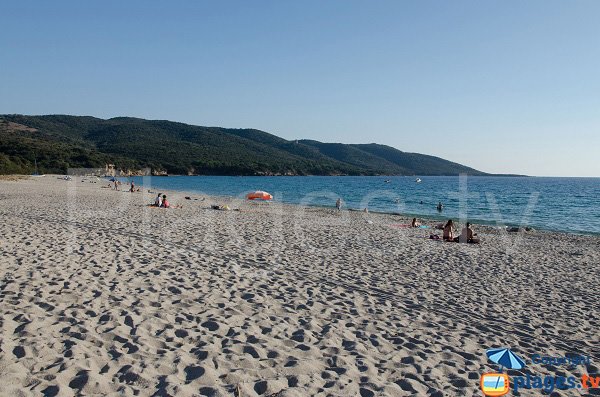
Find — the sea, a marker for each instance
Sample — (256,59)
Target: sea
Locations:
(557,204)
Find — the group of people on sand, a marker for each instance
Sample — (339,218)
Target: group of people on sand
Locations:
(466,235)
(132,189)
(116,184)
(161,201)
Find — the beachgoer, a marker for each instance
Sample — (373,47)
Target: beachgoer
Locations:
(158,201)
(467,235)
(116,185)
(440,206)
(414,223)
(448,231)
(165,203)
(132,187)
(338,204)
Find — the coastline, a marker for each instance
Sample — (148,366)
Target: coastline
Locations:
(437,218)
(105,295)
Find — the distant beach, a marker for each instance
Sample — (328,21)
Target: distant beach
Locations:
(103,295)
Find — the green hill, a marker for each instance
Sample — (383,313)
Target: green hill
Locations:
(59,142)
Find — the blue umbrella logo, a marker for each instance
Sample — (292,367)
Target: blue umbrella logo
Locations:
(505,358)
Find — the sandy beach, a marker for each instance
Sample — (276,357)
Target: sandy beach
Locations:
(102,295)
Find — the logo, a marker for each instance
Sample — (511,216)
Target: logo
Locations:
(498,384)
(493,384)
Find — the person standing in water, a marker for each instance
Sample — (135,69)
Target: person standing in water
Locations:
(440,206)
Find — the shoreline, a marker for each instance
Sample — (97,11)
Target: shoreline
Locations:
(409,216)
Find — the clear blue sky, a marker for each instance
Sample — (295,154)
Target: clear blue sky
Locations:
(503,86)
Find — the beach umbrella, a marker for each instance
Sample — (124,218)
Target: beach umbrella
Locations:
(505,358)
(259,195)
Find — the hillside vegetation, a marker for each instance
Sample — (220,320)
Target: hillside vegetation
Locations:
(59,142)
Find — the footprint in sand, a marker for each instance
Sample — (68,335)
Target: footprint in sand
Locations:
(210,325)
(51,391)
(193,372)
(79,381)
(19,352)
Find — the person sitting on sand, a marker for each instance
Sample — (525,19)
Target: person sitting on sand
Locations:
(165,203)
(467,235)
(448,231)
(158,201)
(414,223)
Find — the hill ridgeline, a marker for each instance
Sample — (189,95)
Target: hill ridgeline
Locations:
(59,142)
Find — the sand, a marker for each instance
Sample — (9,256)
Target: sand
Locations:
(102,295)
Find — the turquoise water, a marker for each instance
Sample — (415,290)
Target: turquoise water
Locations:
(561,204)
